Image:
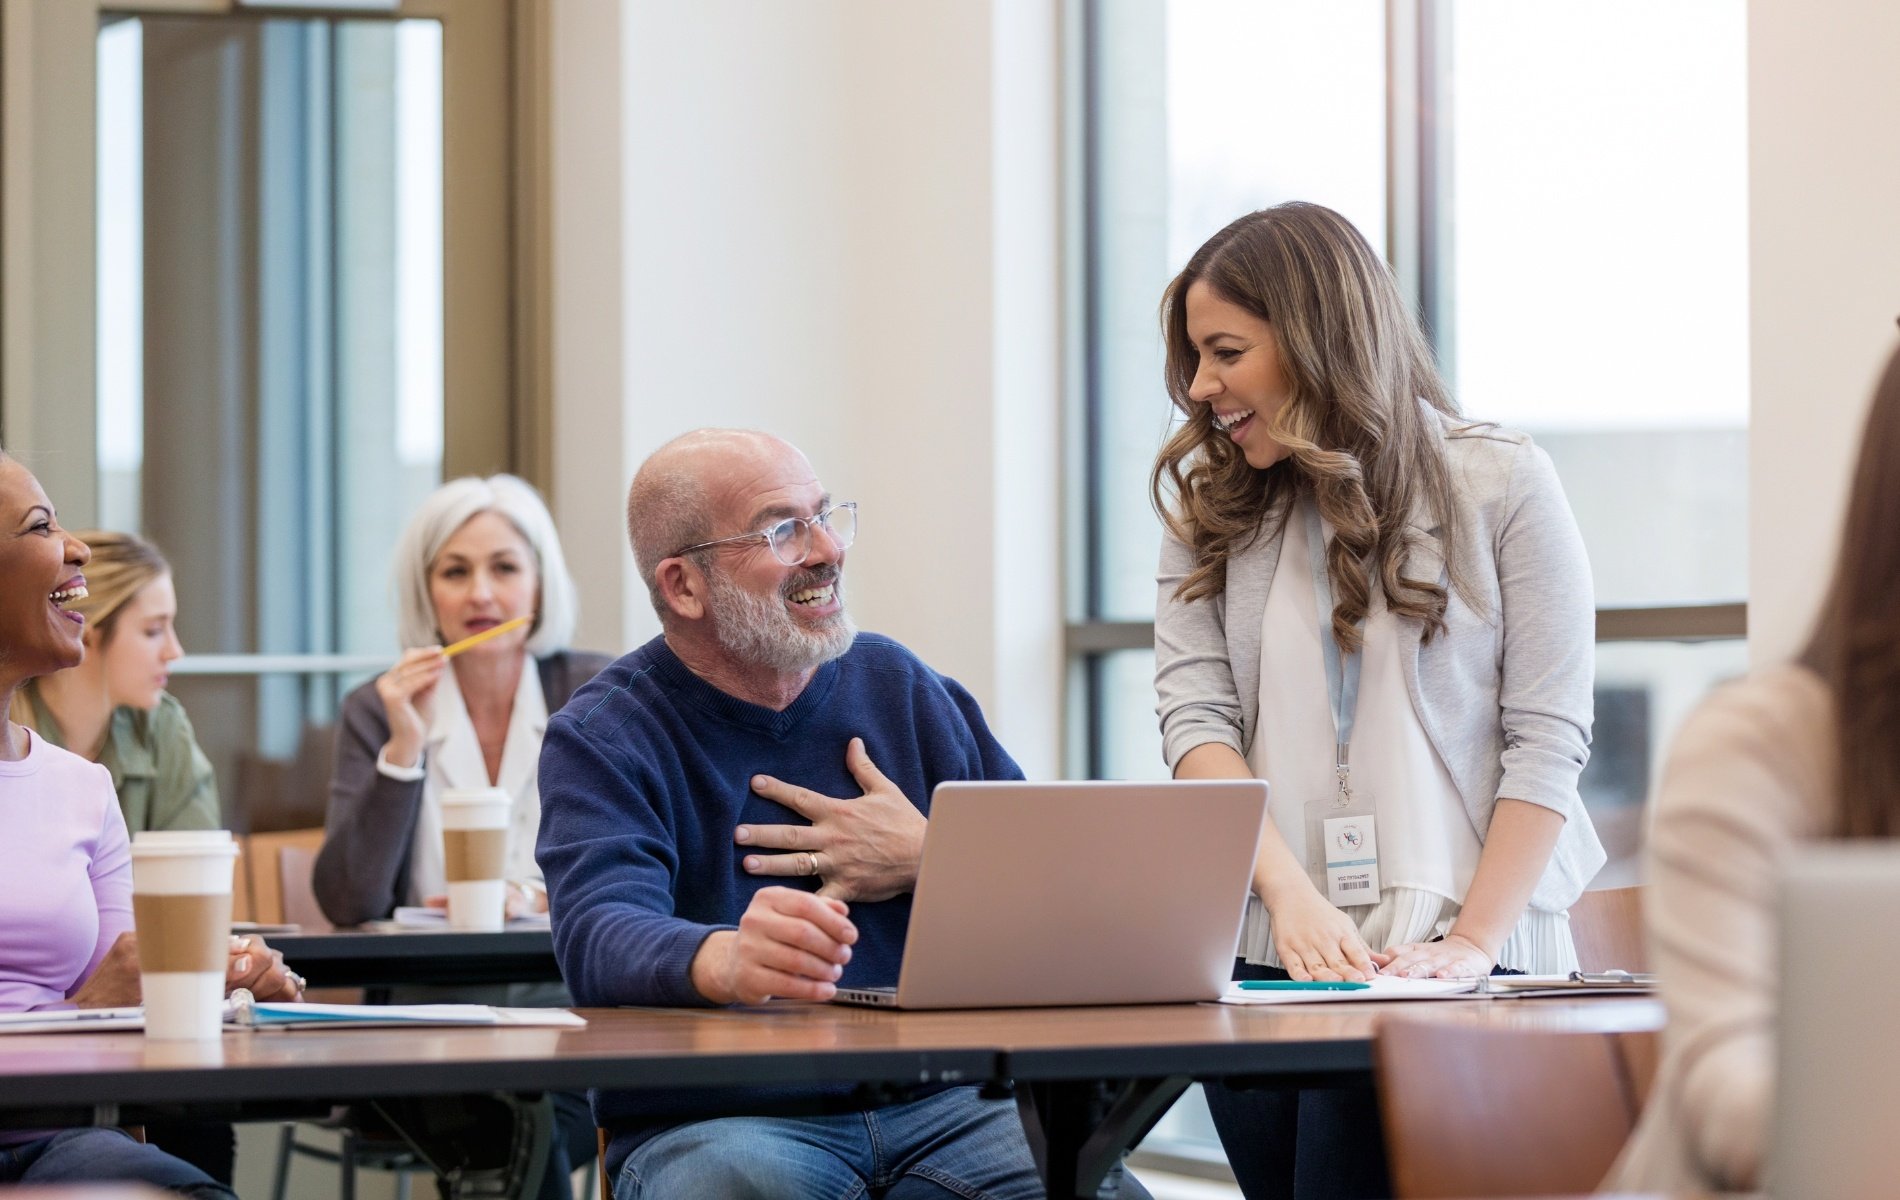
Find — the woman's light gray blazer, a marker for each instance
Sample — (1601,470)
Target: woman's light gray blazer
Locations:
(1504,694)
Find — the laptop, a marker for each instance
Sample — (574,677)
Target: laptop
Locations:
(1033,894)
(1837,1092)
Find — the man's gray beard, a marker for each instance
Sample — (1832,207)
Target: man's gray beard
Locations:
(757,629)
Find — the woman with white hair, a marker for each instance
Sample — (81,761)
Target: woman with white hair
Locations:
(478,553)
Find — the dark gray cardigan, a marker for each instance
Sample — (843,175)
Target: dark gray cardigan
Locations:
(362,872)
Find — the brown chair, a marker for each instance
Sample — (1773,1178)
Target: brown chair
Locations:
(243,904)
(275,867)
(606,1189)
(1607,925)
(295,863)
(1476,1112)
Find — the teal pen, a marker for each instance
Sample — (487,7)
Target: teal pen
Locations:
(1301,985)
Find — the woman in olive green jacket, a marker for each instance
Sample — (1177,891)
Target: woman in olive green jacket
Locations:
(113,707)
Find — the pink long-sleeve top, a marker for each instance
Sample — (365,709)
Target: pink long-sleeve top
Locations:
(65,875)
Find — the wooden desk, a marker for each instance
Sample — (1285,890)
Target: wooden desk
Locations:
(446,958)
(1089,1081)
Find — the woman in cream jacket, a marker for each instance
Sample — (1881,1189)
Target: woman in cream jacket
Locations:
(1790,753)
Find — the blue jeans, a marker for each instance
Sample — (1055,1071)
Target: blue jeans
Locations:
(951,1145)
(101,1156)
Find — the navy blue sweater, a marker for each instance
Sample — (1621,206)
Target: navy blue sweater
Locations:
(645,773)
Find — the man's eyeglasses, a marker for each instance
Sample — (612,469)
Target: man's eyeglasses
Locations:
(790,539)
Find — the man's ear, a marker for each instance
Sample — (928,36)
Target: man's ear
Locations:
(683,587)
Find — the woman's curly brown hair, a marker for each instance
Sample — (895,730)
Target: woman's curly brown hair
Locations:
(1358,422)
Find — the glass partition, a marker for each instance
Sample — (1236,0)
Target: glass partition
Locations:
(270,354)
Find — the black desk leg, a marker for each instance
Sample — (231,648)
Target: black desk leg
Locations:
(1079,1129)
(530,1132)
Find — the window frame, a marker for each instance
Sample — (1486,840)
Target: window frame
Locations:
(494,381)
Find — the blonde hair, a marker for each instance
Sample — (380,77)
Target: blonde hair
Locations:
(122,565)
(446,510)
(1359,423)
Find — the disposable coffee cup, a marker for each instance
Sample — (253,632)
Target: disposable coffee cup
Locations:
(474,856)
(181,906)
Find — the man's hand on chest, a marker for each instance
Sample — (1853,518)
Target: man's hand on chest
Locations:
(864,848)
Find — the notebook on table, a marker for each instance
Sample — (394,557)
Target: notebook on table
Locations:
(1040,894)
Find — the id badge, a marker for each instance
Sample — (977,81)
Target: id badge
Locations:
(1342,849)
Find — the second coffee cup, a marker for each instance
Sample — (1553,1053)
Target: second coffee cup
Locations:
(474,856)
(181,907)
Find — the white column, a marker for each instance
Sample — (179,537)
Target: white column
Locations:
(589,162)
(1824,251)
(840,226)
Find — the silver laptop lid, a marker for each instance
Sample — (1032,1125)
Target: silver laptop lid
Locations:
(1080,893)
(1837,1092)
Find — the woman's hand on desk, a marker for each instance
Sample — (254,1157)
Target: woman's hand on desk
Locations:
(260,969)
(115,983)
(789,944)
(1314,939)
(251,964)
(1452,957)
(407,690)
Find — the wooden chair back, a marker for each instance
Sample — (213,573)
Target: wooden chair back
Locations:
(243,895)
(1607,925)
(1473,1112)
(296,863)
(275,880)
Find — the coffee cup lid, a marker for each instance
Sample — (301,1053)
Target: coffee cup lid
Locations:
(487,795)
(183,842)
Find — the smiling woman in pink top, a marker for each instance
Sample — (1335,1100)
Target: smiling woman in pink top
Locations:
(66,912)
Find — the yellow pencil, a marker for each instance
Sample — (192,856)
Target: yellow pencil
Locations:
(470,642)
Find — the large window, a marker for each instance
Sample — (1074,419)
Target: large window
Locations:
(270,296)
(284,267)
(1560,188)
(1566,201)
(1599,271)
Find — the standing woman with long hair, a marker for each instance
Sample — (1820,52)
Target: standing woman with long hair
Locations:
(1793,752)
(1385,611)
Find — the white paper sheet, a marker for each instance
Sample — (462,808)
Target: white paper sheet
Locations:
(409,919)
(73,1020)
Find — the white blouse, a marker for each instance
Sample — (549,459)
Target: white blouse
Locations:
(1428,850)
(452,758)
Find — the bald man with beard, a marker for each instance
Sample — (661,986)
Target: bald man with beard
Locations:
(735,812)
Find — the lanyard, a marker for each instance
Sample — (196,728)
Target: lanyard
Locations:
(1342,677)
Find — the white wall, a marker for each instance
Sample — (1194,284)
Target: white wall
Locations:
(1824,246)
(837,221)
(588,370)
